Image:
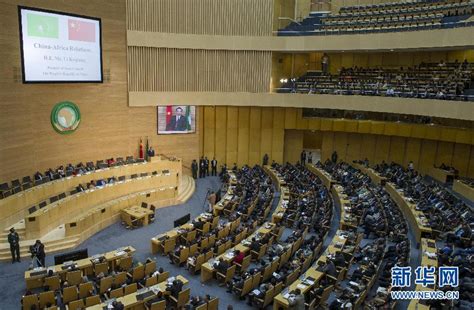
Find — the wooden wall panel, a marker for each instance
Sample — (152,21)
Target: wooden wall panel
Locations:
(328,145)
(340,144)
(223,17)
(412,152)
(209,132)
(397,149)
(243,138)
(367,149)
(444,153)
(169,69)
(278,134)
(221,134)
(427,155)
(382,148)
(354,142)
(461,156)
(232,135)
(266,137)
(293,145)
(255,135)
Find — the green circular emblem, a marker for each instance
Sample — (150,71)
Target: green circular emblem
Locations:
(65,117)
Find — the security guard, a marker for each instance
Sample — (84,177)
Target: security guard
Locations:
(14,241)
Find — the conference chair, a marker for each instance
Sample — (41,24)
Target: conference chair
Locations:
(76,305)
(138,273)
(131,288)
(92,301)
(267,273)
(159,305)
(46,298)
(30,301)
(292,276)
(116,293)
(182,257)
(246,288)
(144,205)
(193,249)
(188,237)
(256,279)
(70,293)
(224,278)
(183,298)
(52,282)
(266,300)
(85,289)
(74,277)
(163,276)
(150,267)
(120,278)
(42,204)
(209,255)
(196,266)
(256,256)
(62,196)
(205,228)
(105,284)
(167,246)
(151,281)
(101,268)
(201,307)
(125,263)
(213,304)
(26,186)
(245,264)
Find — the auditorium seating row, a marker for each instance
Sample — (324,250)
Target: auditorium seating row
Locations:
(396,16)
(38,178)
(440,210)
(427,81)
(17,206)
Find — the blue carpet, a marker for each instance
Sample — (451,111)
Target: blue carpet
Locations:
(115,236)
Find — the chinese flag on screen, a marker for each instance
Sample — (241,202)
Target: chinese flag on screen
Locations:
(81,31)
(169,113)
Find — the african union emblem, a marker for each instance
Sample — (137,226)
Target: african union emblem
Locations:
(65,117)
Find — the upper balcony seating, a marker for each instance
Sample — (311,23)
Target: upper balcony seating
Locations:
(386,17)
(451,81)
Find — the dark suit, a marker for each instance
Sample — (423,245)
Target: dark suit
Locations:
(175,124)
(214,167)
(14,241)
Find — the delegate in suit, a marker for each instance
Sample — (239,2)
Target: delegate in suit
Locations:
(178,122)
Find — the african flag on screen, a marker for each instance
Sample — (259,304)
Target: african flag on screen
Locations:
(42,26)
(188,117)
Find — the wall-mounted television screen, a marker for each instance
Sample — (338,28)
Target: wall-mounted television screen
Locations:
(176,119)
(59,47)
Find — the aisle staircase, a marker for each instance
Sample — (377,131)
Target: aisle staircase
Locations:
(185,189)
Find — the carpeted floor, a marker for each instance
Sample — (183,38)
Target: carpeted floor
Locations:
(12,281)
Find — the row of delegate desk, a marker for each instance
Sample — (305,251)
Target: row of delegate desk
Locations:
(137,299)
(284,190)
(207,269)
(35,278)
(15,207)
(417,219)
(312,276)
(429,259)
(48,218)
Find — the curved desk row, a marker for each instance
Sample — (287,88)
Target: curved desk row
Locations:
(417,219)
(312,276)
(15,207)
(44,220)
(428,258)
(35,278)
(137,299)
(374,176)
(284,190)
(105,214)
(463,189)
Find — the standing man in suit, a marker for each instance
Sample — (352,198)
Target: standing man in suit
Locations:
(178,122)
(303,157)
(38,249)
(194,168)
(202,167)
(206,165)
(14,241)
(214,167)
